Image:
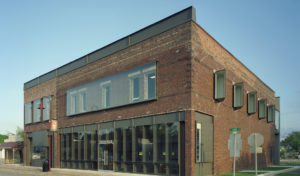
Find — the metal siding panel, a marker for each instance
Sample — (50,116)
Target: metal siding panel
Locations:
(123,123)
(48,76)
(31,83)
(162,26)
(78,129)
(167,118)
(108,50)
(91,127)
(72,66)
(106,125)
(143,121)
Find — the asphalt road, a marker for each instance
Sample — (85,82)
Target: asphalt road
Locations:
(295,172)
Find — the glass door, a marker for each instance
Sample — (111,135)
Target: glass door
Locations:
(106,155)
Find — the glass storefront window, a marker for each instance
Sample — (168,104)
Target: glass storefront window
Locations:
(135,85)
(121,146)
(39,147)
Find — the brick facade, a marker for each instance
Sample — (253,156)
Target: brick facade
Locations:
(186,57)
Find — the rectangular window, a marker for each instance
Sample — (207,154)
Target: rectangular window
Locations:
(28,113)
(271,113)
(198,143)
(252,102)
(131,86)
(135,88)
(238,93)
(73,104)
(277,120)
(262,108)
(36,111)
(46,111)
(220,84)
(105,87)
(82,102)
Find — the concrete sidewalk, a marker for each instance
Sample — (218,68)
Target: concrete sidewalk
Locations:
(17,169)
(270,173)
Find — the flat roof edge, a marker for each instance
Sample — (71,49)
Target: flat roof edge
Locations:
(183,16)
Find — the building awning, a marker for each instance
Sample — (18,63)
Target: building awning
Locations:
(11,145)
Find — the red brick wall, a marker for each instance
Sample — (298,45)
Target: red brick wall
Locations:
(45,89)
(207,56)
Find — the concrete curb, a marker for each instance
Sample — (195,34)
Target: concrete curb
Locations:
(280,171)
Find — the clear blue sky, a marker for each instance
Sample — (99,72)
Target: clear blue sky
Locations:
(38,36)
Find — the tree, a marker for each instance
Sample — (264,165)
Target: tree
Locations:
(20,133)
(2,137)
(293,140)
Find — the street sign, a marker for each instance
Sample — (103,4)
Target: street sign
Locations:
(259,140)
(235,130)
(258,150)
(238,144)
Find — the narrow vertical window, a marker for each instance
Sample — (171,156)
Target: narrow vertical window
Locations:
(82,101)
(271,113)
(220,84)
(151,85)
(198,143)
(238,90)
(252,102)
(106,96)
(73,104)
(28,113)
(135,88)
(46,111)
(36,111)
(262,108)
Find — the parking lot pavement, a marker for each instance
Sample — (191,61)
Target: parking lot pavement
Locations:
(295,172)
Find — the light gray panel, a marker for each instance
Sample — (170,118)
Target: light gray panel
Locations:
(91,127)
(106,125)
(72,66)
(48,76)
(123,123)
(143,121)
(79,128)
(31,83)
(67,130)
(167,118)
(164,25)
(108,50)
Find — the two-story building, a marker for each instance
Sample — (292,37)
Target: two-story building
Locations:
(158,101)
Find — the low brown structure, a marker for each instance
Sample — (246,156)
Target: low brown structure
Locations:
(13,152)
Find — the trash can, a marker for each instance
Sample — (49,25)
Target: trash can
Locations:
(45,165)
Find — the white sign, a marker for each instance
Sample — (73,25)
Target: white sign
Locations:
(238,145)
(258,150)
(259,140)
(53,125)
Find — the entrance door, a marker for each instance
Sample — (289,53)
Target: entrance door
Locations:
(106,155)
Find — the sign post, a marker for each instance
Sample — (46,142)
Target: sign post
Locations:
(255,140)
(235,138)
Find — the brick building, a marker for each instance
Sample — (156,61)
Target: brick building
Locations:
(158,101)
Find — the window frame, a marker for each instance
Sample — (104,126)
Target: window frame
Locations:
(133,76)
(259,108)
(104,86)
(147,72)
(271,117)
(216,85)
(235,94)
(198,152)
(31,112)
(255,102)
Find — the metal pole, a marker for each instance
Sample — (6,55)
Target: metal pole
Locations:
(255,143)
(234,154)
